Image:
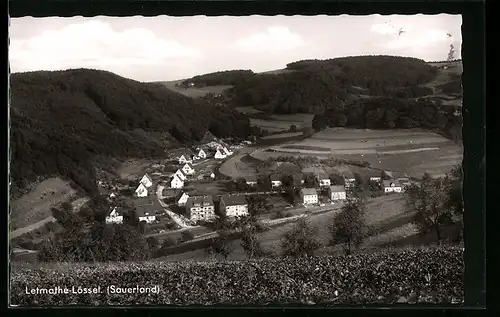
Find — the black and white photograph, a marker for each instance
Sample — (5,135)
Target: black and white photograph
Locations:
(236,160)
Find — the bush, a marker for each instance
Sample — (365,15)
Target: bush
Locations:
(425,275)
(187,236)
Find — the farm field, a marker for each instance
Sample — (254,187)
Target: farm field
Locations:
(413,152)
(35,206)
(279,123)
(385,213)
(194,92)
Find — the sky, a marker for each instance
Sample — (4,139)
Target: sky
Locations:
(167,48)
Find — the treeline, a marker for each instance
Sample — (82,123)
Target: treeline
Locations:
(383,113)
(61,120)
(229,77)
(314,86)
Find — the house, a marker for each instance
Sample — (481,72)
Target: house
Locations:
(185,158)
(181,199)
(219,154)
(323,180)
(392,187)
(200,208)
(201,154)
(309,196)
(115,215)
(141,191)
(275,180)
(180,175)
(147,209)
(404,181)
(112,195)
(336,192)
(188,169)
(176,182)
(349,179)
(147,181)
(375,176)
(226,151)
(251,180)
(233,205)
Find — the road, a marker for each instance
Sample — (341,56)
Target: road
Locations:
(19,232)
(179,220)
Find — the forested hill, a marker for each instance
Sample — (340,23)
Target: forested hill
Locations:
(60,120)
(314,86)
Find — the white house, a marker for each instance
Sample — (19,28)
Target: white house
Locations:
(375,178)
(309,195)
(275,180)
(180,175)
(115,216)
(226,151)
(200,208)
(336,192)
(212,175)
(146,181)
(141,191)
(251,180)
(392,187)
(233,205)
(188,169)
(219,154)
(201,154)
(324,180)
(185,158)
(182,199)
(176,182)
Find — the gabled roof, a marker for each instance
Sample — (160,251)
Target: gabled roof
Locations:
(275,177)
(323,176)
(146,207)
(189,164)
(337,188)
(389,183)
(140,185)
(201,200)
(180,195)
(148,177)
(234,200)
(119,210)
(175,177)
(308,191)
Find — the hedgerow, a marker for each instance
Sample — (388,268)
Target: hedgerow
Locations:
(423,275)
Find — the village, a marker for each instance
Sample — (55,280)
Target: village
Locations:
(188,191)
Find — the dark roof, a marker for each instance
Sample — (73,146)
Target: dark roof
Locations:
(337,188)
(180,195)
(119,210)
(206,200)
(146,206)
(233,200)
(251,178)
(275,177)
(297,177)
(323,176)
(387,183)
(308,191)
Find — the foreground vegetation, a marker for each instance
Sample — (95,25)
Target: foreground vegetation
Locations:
(423,275)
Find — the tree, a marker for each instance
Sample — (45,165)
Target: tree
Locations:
(168,242)
(153,244)
(429,202)
(349,227)
(300,240)
(293,128)
(337,179)
(264,183)
(250,242)
(187,236)
(258,205)
(221,245)
(318,122)
(311,181)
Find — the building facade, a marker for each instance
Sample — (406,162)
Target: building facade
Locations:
(309,196)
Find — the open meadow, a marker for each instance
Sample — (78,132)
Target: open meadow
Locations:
(413,152)
(35,206)
(194,92)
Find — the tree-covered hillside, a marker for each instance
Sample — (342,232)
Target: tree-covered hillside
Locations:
(60,120)
(314,86)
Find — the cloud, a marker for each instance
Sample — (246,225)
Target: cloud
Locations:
(93,44)
(276,38)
